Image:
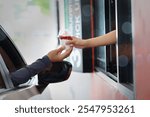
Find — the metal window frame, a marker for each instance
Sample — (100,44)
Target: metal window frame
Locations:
(124,42)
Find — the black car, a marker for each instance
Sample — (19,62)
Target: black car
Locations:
(11,60)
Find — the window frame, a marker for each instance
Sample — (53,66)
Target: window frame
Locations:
(108,17)
(124,75)
(124,42)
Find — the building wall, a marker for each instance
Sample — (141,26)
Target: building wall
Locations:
(141,36)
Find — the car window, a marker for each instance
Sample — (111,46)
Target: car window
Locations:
(7,60)
(2,84)
(5,78)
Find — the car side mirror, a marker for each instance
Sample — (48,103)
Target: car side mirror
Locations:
(59,72)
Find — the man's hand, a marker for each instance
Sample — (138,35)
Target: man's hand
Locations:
(57,55)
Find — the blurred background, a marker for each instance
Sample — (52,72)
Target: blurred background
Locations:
(31,24)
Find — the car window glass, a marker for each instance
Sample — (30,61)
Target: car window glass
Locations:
(7,60)
(5,74)
(2,84)
(2,35)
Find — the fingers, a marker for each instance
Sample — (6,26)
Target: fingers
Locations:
(69,43)
(58,54)
(66,53)
(60,49)
(71,40)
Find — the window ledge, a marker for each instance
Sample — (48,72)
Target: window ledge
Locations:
(125,89)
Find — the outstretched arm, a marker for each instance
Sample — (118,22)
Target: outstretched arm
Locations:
(107,39)
(24,74)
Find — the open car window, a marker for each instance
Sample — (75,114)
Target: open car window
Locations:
(11,67)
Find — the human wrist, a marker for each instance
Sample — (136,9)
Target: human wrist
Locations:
(46,59)
(49,57)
